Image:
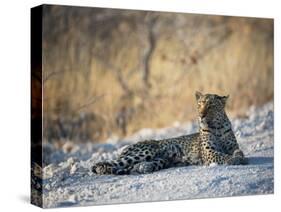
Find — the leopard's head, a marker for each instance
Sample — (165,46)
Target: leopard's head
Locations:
(209,105)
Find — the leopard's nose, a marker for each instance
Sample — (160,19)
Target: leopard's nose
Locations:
(202,115)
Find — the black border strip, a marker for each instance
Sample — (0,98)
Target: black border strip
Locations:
(36,105)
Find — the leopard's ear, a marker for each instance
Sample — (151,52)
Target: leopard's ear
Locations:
(198,95)
(224,99)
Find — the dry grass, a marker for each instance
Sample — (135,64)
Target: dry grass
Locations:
(240,65)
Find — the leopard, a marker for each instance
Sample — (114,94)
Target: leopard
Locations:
(214,143)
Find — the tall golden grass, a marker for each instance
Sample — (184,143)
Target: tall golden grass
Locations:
(240,65)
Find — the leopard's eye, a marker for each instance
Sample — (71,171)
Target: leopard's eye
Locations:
(201,102)
(205,102)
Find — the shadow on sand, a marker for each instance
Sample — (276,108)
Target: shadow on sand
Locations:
(260,160)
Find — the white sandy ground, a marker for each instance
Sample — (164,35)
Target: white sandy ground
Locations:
(69,182)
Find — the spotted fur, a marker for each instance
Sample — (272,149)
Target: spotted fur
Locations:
(214,143)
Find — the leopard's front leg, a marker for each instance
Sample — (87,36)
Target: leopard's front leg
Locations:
(211,156)
(214,157)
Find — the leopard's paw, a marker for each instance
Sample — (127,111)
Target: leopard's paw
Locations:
(239,157)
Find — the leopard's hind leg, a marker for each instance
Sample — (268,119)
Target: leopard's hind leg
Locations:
(120,166)
(146,167)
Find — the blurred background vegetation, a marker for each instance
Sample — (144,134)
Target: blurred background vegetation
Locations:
(113,72)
